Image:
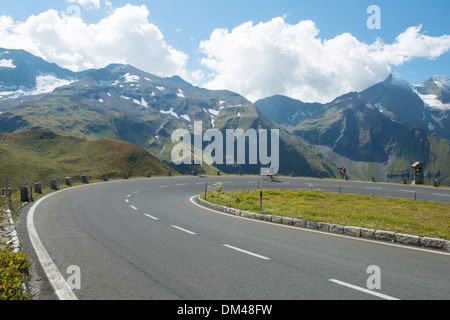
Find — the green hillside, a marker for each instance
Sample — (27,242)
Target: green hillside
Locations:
(32,156)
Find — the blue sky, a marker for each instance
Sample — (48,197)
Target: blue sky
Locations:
(185,24)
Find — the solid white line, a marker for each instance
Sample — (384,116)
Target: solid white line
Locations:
(133,207)
(151,217)
(246,252)
(348,285)
(56,279)
(184,230)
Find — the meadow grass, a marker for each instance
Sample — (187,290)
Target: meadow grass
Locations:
(422,218)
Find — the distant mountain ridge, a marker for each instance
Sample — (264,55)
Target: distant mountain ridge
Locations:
(23,74)
(378,132)
(125,103)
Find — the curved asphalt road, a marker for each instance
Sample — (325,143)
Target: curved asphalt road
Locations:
(145,239)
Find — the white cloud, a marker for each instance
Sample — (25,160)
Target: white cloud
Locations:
(126,36)
(279,58)
(87,4)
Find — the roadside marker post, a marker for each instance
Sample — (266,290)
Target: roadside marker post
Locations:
(260,202)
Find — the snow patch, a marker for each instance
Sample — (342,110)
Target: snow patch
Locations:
(142,102)
(186,117)
(171,112)
(7,63)
(431,101)
(443,82)
(48,83)
(438,120)
(131,78)
(214,112)
(160,88)
(180,93)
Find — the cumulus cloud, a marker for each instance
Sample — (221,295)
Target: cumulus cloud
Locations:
(125,36)
(279,58)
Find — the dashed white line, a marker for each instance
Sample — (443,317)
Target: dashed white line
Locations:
(151,217)
(401,190)
(377,294)
(162,186)
(441,194)
(133,207)
(126,200)
(184,230)
(246,252)
(128,195)
(374,188)
(181,184)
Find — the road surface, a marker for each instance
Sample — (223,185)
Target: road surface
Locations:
(145,239)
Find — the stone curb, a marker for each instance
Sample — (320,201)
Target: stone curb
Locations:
(388,236)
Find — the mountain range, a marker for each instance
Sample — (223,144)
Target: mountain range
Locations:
(125,103)
(378,132)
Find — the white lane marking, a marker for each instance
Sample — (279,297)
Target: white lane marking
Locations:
(59,284)
(133,207)
(162,186)
(126,200)
(151,217)
(128,195)
(246,252)
(348,285)
(402,190)
(374,188)
(181,184)
(184,230)
(441,194)
(136,192)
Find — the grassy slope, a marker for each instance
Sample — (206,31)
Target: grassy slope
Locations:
(32,156)
(423,218)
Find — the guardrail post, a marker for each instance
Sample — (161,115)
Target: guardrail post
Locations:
(260,201)
(24,194)
(38,187)
(54,185)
